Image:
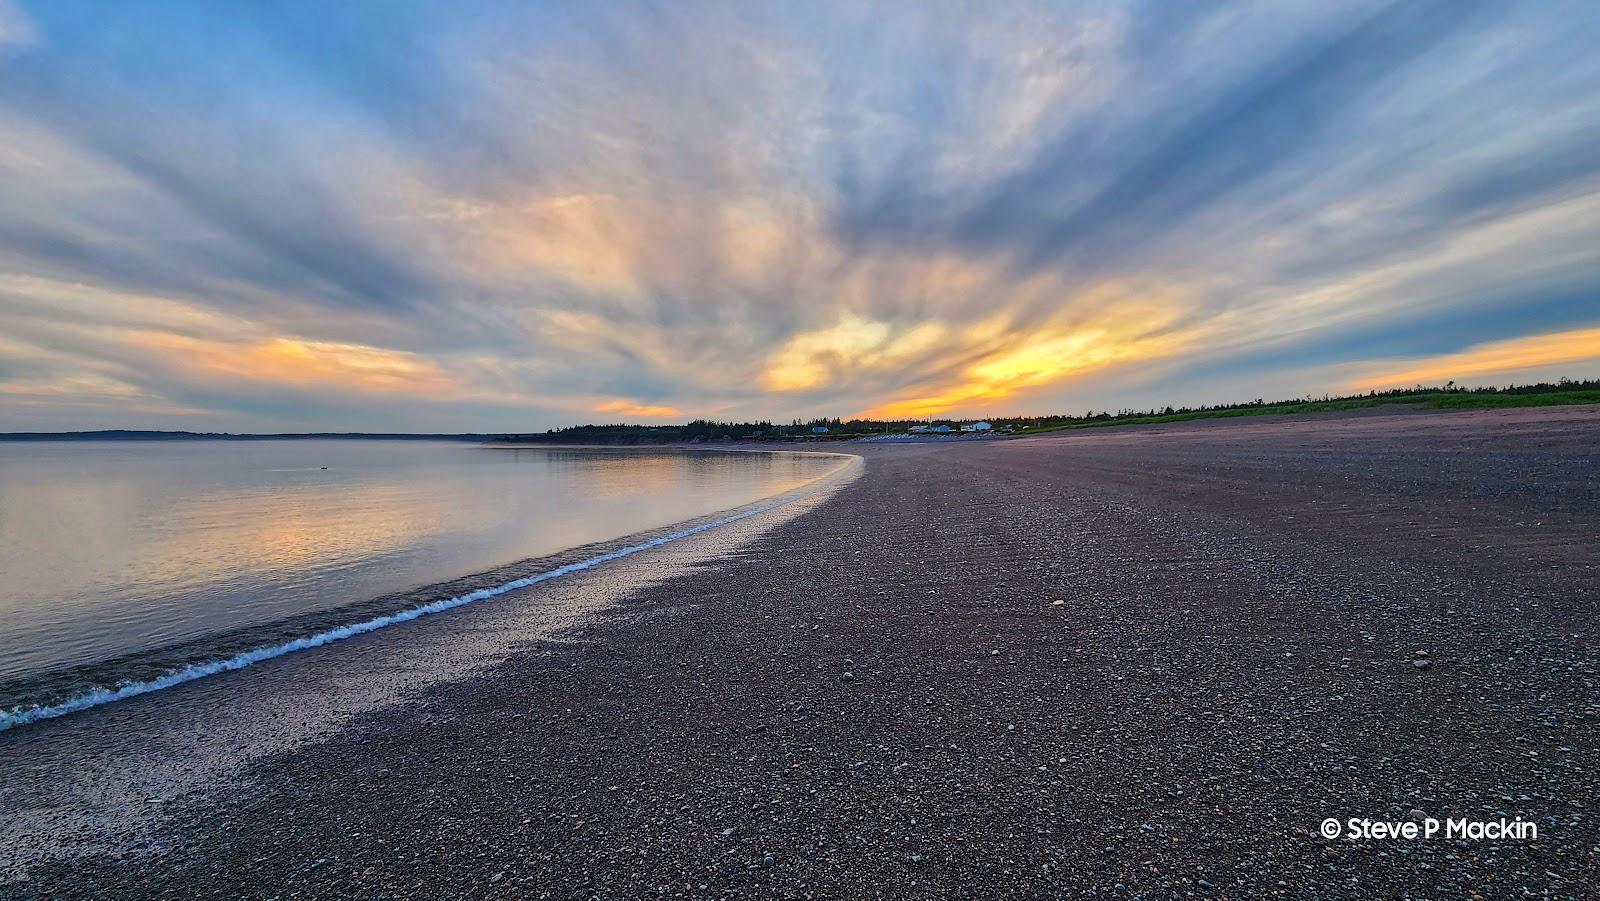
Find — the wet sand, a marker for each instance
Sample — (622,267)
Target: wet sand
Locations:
(1146,660)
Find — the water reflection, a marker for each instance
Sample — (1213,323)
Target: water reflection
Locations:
(113,547)
(614,473)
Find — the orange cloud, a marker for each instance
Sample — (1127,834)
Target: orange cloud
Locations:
(807,359)
(303,364)
(1499,357)
(592,240)
(1020,361)
(585,238)
(629,408)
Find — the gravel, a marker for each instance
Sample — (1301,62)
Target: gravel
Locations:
(1143,660)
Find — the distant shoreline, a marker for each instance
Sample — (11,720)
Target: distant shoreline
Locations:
(1447,397)
(134,435)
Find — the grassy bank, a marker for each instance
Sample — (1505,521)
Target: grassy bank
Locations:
(1439,400)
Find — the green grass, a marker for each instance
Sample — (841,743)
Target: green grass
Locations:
(1431,400)
(1553,399)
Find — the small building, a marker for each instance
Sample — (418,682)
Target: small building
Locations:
(819,430)
(921,429)
(941,429)
(979,426)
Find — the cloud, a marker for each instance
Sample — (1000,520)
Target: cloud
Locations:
(16,28)
(297,363)
(506,216)
(1496,359)
(812,359)
(636,410)
(1017,362)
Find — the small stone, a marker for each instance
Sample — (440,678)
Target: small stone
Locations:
(847,677)
(727,832)
(1421,664)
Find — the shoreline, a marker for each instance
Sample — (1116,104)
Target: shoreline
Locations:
(54,693)
(1153,659)
(97,781)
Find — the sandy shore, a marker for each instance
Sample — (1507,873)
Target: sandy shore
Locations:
(1142,660)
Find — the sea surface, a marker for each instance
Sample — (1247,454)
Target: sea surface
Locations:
(110,550)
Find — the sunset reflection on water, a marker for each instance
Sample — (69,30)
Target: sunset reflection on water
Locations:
(110,548)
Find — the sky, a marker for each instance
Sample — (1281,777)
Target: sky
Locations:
(485,216)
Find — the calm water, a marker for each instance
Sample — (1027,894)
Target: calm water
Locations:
(112,548)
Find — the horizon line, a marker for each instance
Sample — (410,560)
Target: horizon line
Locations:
(1448,387)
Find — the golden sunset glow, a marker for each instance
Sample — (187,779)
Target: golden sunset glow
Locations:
(812,359)
(1499,358)
(1017,361)
(642,411)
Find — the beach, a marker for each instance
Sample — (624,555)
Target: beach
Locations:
(1144,660)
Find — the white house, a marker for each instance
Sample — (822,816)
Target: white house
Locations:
(940,429)
(921,429)
(979,426)
(819,430)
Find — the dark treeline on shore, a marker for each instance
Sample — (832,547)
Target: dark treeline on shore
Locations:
(1449,395)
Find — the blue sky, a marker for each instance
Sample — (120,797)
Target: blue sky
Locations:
(507,216)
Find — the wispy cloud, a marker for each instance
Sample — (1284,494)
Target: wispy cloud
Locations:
(16,28)
(507,216)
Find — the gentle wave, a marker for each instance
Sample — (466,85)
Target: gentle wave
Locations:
(21,716)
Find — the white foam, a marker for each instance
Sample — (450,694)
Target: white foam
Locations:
(21,716)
